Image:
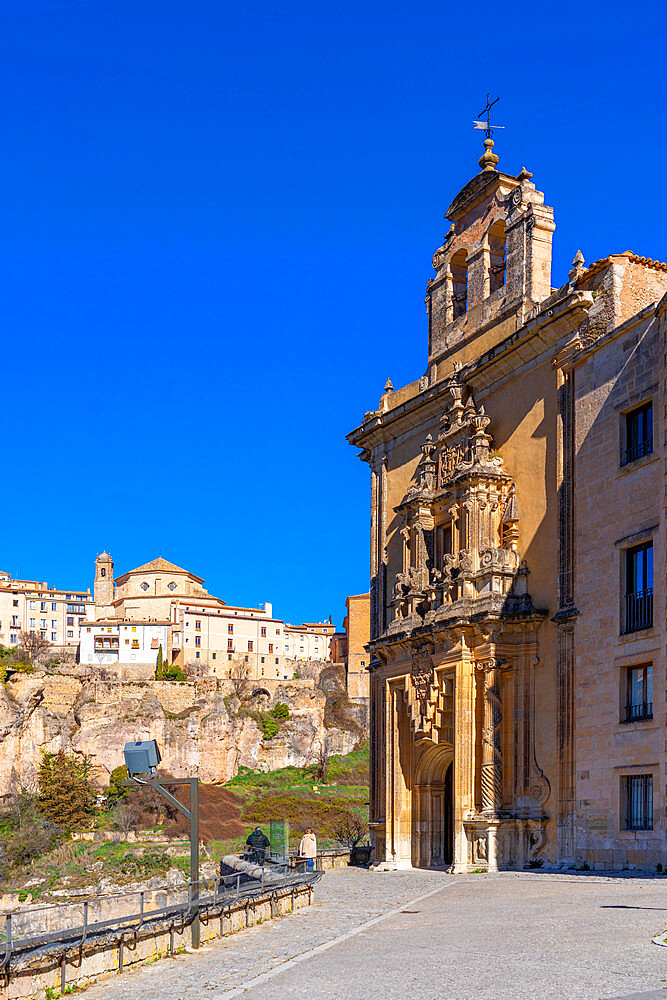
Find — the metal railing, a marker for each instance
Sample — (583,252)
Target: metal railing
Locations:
(636,451)
(66,927)
(640,710)
(638,611)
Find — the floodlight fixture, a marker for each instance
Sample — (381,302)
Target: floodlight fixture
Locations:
(142,757)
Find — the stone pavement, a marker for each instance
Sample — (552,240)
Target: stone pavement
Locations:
(527,936)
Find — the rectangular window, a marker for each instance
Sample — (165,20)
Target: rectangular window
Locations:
(16,604)
(270,647)
(87,630)
(54,606)
(638,588)
(197,655)
(277,631)
(262,659)
(134,628)
(15,620)
(638,795)
(229,656)
(53,637)
(250,645)
(70,634)
(127,641)
(262,632)
(70,621)
(42,606)
(246,659)
(639,693)
(213,655)
(32,623)
(198,626)
(53,623)
(197,640)
(135,644)
(33,605)
(276,660)
(13,638)
(42,622)
(230,644)
(230,629)
(638,434)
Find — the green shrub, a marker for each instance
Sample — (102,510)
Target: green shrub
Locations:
(66,794)
(280,711)
(21,668)
(269,726)
(170,672)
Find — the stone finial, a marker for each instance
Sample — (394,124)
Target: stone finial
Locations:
(578,266)
(489,159)
(524,175)
(389,386)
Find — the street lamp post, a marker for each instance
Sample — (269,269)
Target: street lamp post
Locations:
(143,757)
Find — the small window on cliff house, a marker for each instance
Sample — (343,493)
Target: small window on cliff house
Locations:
(171,586)
(497,254)
(459,269)
(144,586)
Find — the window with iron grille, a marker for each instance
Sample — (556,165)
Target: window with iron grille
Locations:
(638,795)
(638,588)
(638,434)
(639,693)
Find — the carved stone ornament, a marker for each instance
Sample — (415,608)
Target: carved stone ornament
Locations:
(422,675)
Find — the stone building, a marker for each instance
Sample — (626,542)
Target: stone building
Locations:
(33,606)
(349,647)
(518,555)
(201,632)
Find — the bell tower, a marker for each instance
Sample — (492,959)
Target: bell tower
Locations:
(103,586)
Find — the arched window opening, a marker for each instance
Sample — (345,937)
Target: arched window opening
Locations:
(459,269)
(103,572)
(497,254)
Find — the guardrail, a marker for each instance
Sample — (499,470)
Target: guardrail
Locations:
(62,929)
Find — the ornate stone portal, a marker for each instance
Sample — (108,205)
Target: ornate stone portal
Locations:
(464,618)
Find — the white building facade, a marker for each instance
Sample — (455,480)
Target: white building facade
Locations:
(33,606)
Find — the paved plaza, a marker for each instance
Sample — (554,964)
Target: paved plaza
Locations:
(385,936)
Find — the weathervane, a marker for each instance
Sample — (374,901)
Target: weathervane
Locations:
(487,111)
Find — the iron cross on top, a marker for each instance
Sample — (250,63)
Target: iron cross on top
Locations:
(487,111)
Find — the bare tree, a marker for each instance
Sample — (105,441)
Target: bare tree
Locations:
(350,829)
(239,675)
(32,648)
(126,815)
(320,755)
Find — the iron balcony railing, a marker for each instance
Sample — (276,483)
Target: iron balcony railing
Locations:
(638,610)
(640,710)
(636,451)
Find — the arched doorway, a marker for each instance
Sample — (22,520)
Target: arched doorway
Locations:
(434,840)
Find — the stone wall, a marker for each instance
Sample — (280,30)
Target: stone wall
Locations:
(101,958)
(200,726)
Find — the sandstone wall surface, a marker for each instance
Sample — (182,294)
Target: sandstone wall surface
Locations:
(201,728)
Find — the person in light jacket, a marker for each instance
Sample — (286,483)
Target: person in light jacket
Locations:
(308,849)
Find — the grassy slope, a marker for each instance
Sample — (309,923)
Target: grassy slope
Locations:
(258,796)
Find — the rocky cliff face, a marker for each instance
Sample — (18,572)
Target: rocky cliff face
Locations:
(201,728)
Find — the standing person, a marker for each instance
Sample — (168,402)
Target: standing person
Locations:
(259,845)
(308,849)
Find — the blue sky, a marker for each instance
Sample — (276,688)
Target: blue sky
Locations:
(218,223)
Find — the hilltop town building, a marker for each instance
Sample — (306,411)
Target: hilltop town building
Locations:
(161,604)
(518,555)
(33,606)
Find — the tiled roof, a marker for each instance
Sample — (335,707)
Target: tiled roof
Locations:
(599,265)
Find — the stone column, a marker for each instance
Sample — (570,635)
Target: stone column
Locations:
(464,739)
(492,761)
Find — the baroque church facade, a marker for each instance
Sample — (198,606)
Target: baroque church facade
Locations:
(517,651)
